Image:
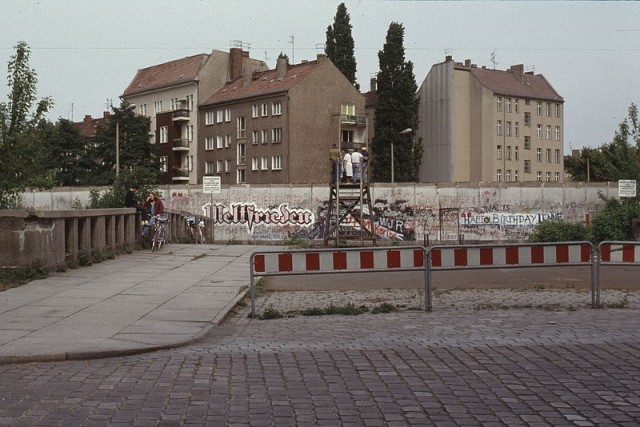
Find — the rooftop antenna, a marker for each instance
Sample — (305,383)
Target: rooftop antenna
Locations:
(530,68)
(492,58)
(320,47)
(293,50)
(448,52)
(72,111)
(240,44)
(266,57)
(109,104)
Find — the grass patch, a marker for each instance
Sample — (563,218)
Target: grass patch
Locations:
(623,303)
(271,313)
(385,307)
(197,257)
(297,242)
(14,277)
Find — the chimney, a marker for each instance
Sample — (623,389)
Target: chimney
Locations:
(281,68)
(373,84)
(105,114)
(235,62)
(321,57)
(467,63)
(448,58)
(87,119)
(517,69)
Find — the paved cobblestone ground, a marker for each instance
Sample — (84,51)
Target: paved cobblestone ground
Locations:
(480,358)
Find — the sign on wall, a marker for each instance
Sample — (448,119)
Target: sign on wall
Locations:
(627,188)
(211,184)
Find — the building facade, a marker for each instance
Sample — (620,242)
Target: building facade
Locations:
(277,126)
(485,125)
(169,93)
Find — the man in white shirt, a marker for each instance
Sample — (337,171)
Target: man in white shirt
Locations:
(356,159)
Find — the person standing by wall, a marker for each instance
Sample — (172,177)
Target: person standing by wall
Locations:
(336,164)
(364,164)
(356,159)
(348,166)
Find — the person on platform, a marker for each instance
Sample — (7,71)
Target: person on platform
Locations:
(336,164)
(364,164)
(356,161)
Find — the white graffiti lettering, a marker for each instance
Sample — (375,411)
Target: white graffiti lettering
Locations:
(507,219)
(250,215)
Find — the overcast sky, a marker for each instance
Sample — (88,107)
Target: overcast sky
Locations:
(86,52)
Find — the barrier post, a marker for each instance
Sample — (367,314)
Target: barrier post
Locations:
(595,278)
(428,296)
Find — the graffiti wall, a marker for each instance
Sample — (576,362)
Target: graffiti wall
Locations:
(422,213)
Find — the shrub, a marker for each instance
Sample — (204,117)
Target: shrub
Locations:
(613,222)
(559,231)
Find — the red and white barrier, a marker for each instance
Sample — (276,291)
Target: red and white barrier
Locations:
(457,257)
(348,260)
(619,252)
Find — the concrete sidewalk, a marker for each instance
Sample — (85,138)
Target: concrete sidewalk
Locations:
(134,303)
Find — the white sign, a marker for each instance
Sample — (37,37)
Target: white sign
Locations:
(210,184)
(627,188)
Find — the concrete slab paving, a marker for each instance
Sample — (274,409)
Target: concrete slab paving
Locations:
(136,302)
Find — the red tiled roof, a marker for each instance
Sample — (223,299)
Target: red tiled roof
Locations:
(262,83)
(512,83)
(167,74)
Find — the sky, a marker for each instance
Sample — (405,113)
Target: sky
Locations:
(85,52)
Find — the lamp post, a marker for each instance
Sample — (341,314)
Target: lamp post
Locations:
(127,107)
(402,132)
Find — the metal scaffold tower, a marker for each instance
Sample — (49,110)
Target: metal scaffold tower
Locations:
(349,214)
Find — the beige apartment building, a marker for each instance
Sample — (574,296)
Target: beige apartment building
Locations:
(486,125)
(277,126)
(169,94)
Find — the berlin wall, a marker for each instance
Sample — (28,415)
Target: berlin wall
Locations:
(406,212)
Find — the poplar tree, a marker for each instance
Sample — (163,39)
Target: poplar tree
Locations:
(339,45)
(396,111)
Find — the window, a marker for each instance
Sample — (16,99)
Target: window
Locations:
(241,151)
(539,155)
(527,143)
(499,152)
(508,152)
(499,103)
(557,110)
(526,102)
(219,141)
(557,152)
(143,109)
(255,111)
(527,119)
(190,163)
(548,157)
(208,118)
(557,133)
(499,128)
(219,166)
(190,102)
(348,109)
(548,176)
(241,176)
(164,135)
(276,108)
(227,166)
(557,176)
(527,166)
(515,176)
(209,143)
(507,176)
(508,105)
(164,164)
(539,108)
(265,163)
(219,116)
(276,163)
(265,109)
(516,106)
(548,131)
(508,129)
(241,128)
(190,133)
(347,137)
(548,109)
(539,131)
(157,107)
(517,152)
(276,135)
(499,175)
(265,136)
(255,163)
(209,168)
(174,104)
(227,115)
(255,136)
(516,128)
(227,141)
(539,176)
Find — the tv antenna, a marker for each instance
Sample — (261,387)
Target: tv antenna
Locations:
(293,50)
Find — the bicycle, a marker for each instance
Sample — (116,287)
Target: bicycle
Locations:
(158,239)
(195,229)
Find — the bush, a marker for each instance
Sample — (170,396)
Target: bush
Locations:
(559,231)
(613,222)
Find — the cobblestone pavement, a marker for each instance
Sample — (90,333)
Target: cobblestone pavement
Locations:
(480,358)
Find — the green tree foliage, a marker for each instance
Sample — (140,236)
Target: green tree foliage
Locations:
(114,197)
(613,222)
(284,56)
(559,231)
(66,151)
(617,160)
(397,110)
(136,151)
(21,132)
(339,46)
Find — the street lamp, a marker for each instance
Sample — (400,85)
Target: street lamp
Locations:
(129,106)
(402,132)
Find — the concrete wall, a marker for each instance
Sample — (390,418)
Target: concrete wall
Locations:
(410,212)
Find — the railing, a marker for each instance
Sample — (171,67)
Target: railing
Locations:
(355,120)
(181,114)
(180,173)
(181,143)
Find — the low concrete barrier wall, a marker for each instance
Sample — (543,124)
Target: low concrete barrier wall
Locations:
(52,238)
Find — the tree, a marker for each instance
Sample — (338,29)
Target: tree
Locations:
(136,151)
(617,160)
(21,131)
(339,45)
(396,111)
(66,152)
(284,56)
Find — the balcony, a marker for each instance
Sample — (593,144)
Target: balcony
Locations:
(181,144)
(180,174)
(180,115)
(353,120)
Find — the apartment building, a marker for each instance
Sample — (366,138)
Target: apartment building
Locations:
(169,93)
(277,126)
(485,125)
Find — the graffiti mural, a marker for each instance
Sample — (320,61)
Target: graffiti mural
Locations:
(250,215)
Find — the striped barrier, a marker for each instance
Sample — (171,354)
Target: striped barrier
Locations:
(615,253)
(332,261)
